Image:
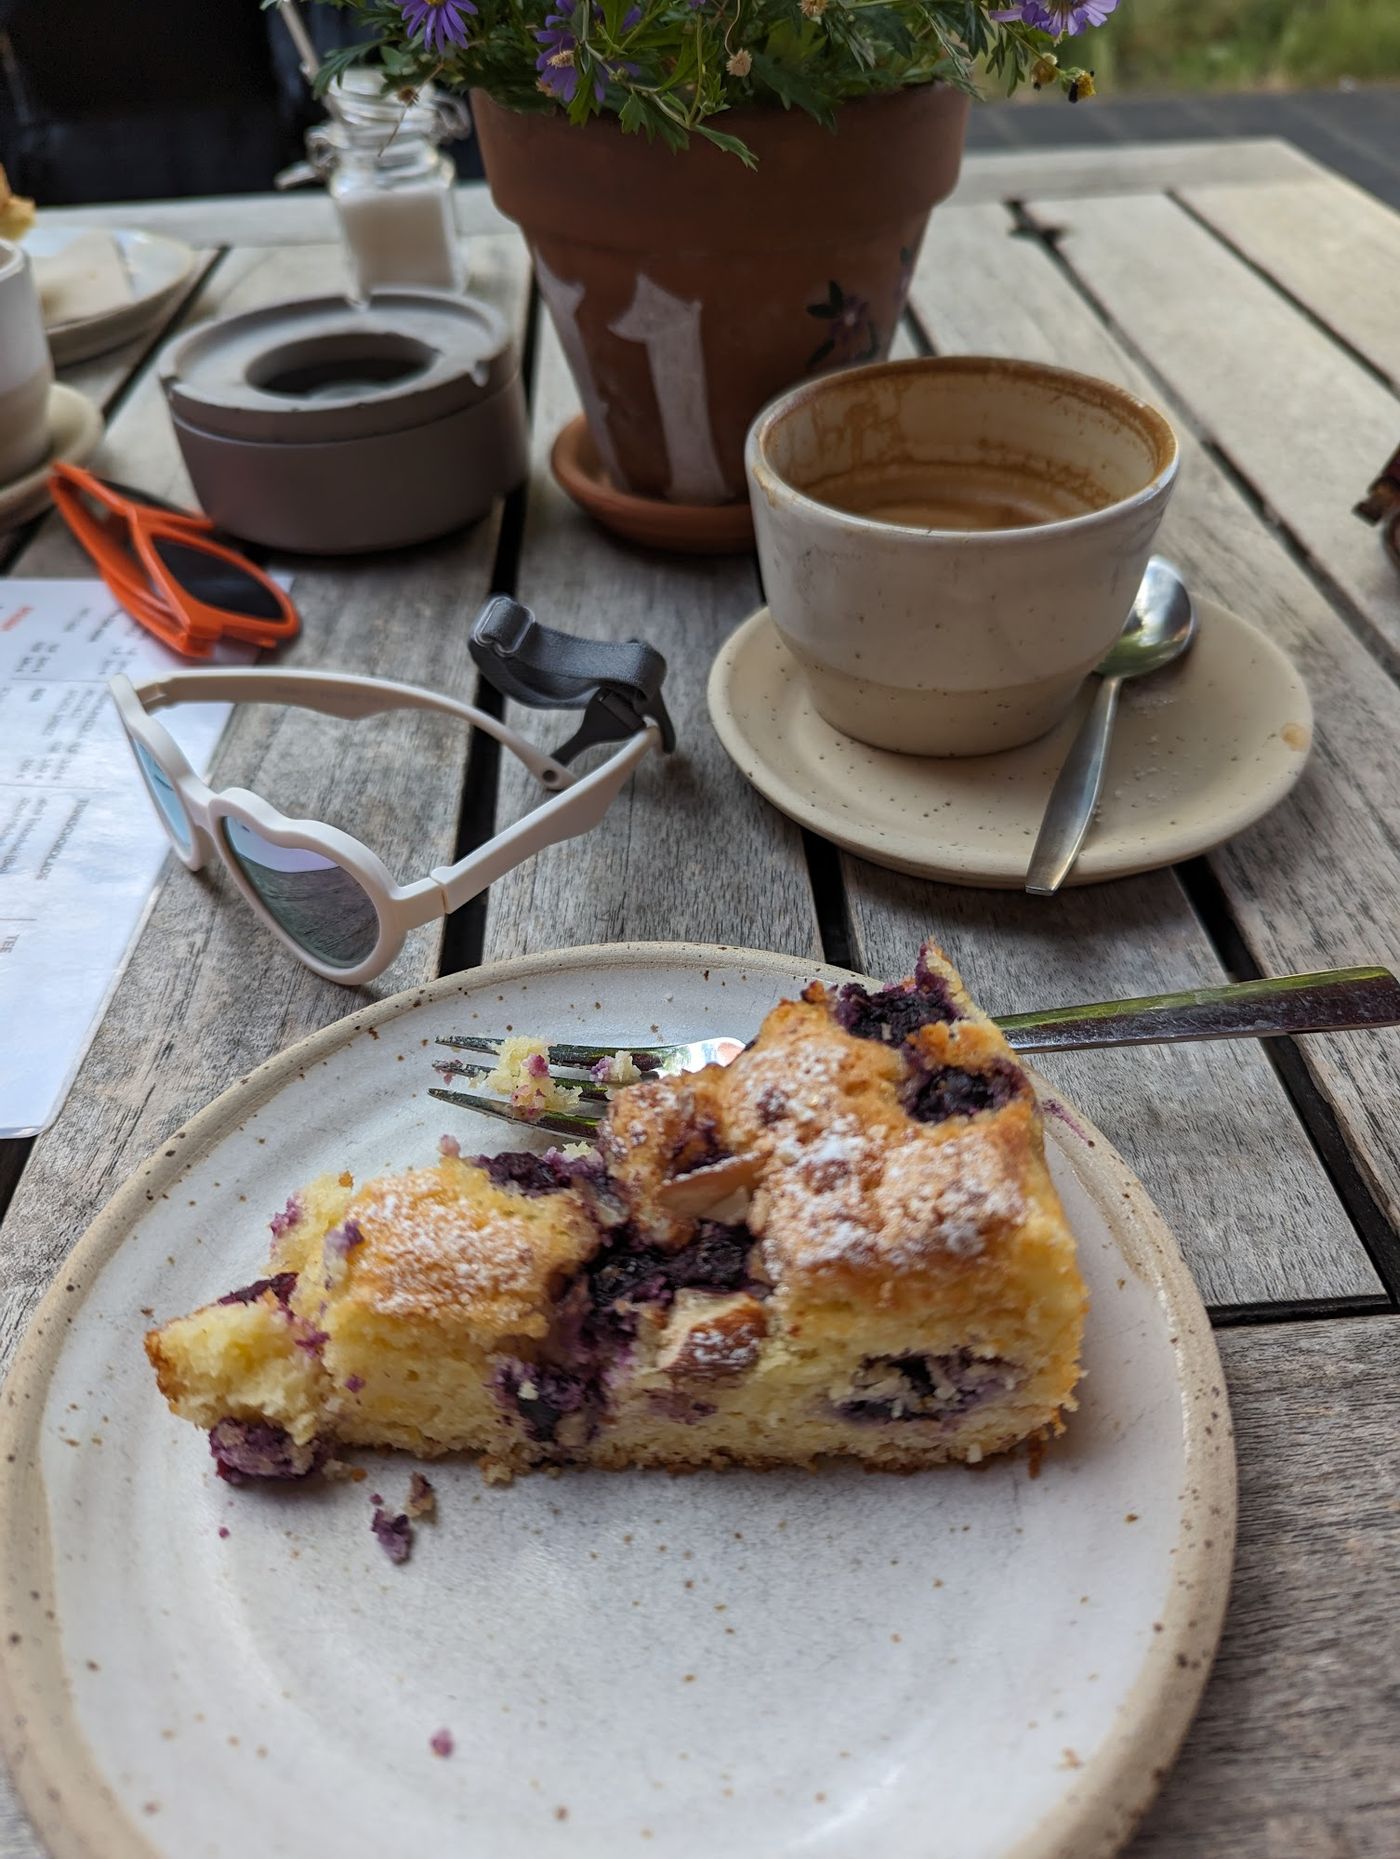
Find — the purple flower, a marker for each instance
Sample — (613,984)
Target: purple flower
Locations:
(557,62)
(436,23)
(1061,17)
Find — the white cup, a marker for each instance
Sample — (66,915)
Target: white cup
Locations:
(926,634)
(26,368)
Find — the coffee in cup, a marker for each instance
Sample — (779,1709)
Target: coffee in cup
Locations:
(949,545)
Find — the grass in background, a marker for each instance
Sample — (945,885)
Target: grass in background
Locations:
(1165,45)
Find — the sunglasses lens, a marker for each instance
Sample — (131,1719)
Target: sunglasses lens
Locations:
(162,792)
(317,902)
(216,582)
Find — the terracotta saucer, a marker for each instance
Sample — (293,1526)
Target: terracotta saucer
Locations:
(684,528)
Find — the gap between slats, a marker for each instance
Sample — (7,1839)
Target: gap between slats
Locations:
(464,932)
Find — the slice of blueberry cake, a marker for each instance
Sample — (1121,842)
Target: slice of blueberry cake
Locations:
(846,1241)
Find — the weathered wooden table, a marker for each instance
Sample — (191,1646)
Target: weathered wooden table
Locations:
(1252,294)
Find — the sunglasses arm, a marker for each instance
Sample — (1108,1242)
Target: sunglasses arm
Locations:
(564,816)
(343,695)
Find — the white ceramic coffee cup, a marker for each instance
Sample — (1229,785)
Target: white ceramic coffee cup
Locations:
(941,640)
(26,369)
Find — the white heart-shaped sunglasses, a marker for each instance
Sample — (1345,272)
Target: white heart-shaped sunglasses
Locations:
(328,897)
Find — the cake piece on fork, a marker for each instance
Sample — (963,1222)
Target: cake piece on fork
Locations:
(844,1242)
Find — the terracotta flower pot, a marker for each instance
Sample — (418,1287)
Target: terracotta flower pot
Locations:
(687,289)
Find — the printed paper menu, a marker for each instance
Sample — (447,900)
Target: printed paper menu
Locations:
(81,852)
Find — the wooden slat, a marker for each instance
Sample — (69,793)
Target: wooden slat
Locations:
(1293,1754)
(1317,883)
(208,994)
(1202,1125)
(1331,245)
(689,852)
(304,217)
(1305,425)
(1143,168)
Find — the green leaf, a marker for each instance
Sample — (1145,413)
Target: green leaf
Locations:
(336,63)
(793,88)
(730,144)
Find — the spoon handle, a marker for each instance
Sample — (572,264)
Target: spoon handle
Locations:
(1070,809)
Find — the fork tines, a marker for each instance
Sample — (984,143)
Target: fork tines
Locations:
(582,1124)
(463,1068)
(579,1058)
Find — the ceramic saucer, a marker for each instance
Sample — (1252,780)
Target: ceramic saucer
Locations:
(158,268)
(1200,752)
(75,426)
(685,529)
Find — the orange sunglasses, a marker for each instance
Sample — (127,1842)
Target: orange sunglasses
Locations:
(168,571)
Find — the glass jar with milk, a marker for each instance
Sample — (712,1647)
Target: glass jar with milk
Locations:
(391,183)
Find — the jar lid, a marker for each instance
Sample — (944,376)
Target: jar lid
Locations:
(321,369)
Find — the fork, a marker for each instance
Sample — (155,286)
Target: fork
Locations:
(1333,1001)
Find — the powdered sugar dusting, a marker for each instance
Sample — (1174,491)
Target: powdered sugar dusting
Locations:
(840,1150)
(712,1349)
(440,1243)
(892,1199)
(958,1191)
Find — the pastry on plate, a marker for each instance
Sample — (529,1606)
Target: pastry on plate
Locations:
(16,213)
(844,1242)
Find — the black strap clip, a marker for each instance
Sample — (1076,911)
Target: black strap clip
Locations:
(616,683)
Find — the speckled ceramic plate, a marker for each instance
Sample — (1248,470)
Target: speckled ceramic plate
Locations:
(958,1665)
(159,268)
(1201,751)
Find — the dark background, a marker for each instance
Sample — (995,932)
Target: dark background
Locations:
(105,100)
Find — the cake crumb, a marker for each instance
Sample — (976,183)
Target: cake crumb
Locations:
(441,1743)
(422,1497)
(394,1534)
(561,1813)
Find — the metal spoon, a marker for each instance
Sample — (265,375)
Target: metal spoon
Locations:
(1160,627)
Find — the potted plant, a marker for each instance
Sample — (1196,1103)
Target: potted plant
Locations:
(720,195)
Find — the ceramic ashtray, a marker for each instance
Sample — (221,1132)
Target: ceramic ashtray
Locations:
(321,426)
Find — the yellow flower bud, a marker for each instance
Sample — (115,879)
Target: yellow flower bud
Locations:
(1082,86)
(1045,70)
(740,64)
(813,9)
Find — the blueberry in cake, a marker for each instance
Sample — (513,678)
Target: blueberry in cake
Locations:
(846,1241)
